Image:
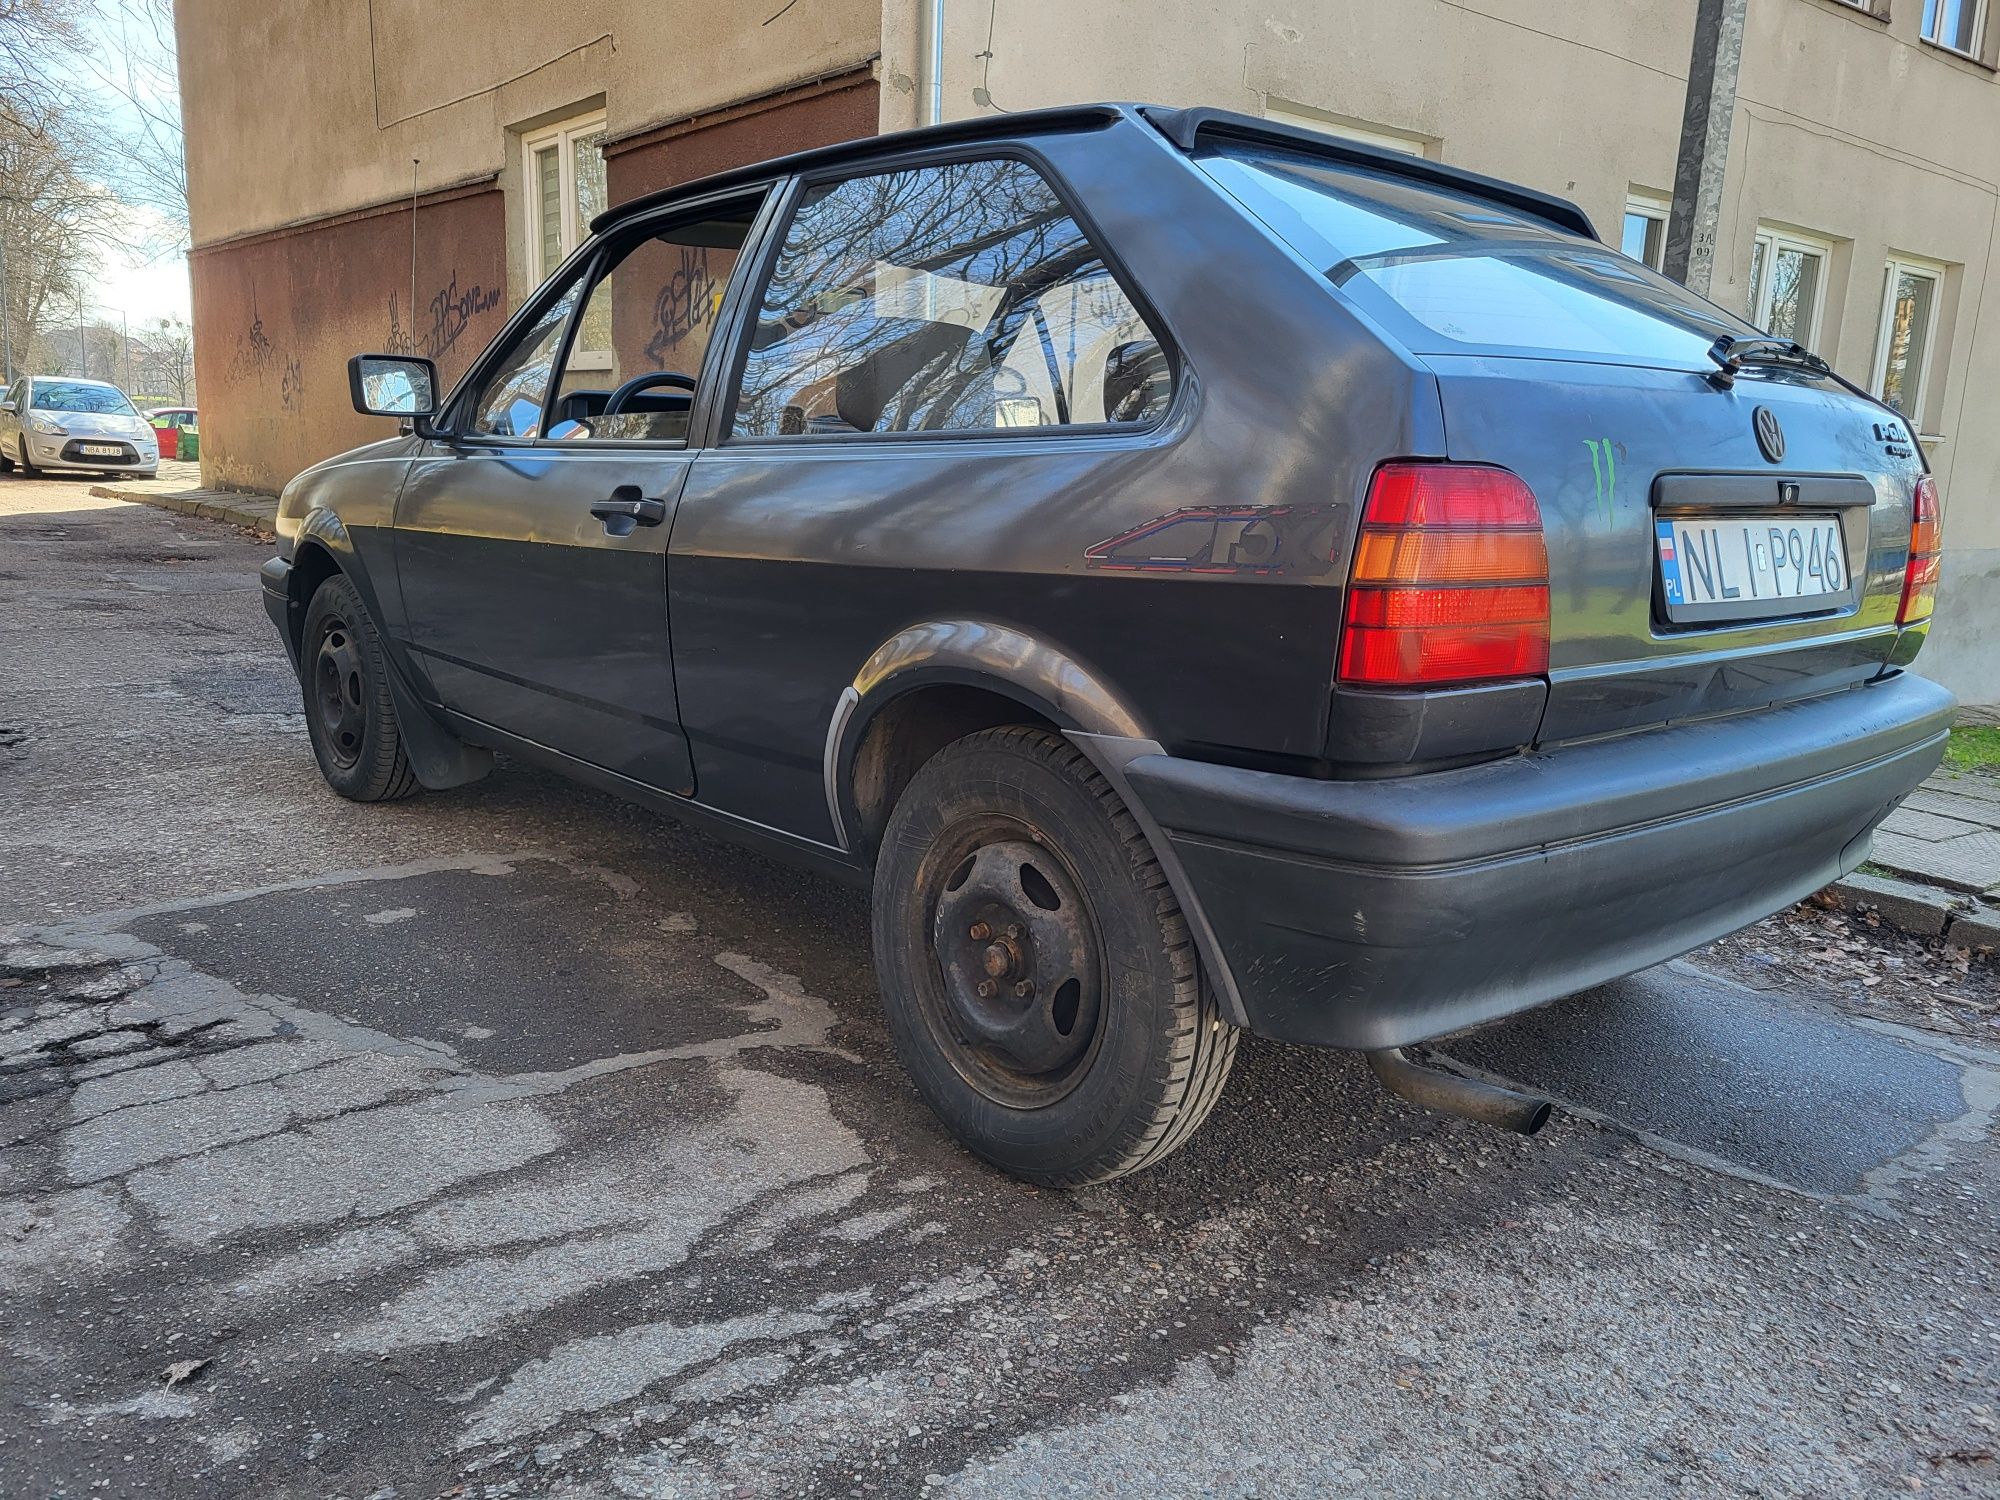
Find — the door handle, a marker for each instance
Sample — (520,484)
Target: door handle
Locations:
(627,505)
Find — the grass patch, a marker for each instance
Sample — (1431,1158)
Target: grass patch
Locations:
(1973,748)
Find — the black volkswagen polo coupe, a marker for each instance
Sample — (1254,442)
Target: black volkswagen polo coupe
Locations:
(1207,576)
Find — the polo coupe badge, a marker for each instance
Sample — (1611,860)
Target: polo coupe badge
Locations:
(1770,436)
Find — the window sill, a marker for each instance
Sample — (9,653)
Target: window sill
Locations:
(1952,54)
(1863,9)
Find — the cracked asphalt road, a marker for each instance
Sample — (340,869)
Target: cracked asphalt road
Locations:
(514,1142)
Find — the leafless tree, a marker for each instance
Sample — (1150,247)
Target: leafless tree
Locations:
(163,354)
(53,218)
(141,148)
(37,37)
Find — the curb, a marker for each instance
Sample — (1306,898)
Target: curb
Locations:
(256,513)
(1918,910)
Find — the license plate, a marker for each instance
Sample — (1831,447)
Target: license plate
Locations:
(101,450)
(1751,567)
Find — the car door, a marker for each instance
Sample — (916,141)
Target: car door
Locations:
(942,391)
(531,538)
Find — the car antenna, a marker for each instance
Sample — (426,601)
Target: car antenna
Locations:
(413,250)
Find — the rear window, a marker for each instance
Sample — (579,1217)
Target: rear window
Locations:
(1449,274)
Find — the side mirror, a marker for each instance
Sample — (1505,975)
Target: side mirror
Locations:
(7,406)
(393,385)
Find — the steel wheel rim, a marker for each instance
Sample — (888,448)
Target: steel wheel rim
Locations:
(339,691)
(1017,1003)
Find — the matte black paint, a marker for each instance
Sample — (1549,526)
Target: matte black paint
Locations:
(727,663)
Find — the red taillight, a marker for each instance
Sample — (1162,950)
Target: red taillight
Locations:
(1920,574)
(1450,580)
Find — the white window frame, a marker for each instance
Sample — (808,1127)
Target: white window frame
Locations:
(1774,239)
(1894,268)
(1980,21)
(1648,205)
(562,136)
(1305,118)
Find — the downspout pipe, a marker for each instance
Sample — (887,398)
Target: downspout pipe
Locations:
(1449,1094)
(937,62)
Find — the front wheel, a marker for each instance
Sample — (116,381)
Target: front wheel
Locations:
(1042,988)
(25,463)
(349,714)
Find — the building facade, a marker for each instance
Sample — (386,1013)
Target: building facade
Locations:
(395,174)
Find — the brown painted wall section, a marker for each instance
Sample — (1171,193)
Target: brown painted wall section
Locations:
(840,109)
(278,315)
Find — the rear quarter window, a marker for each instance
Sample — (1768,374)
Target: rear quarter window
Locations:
(1447,273)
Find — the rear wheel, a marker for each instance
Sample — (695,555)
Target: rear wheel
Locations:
(349,713)
(1041,984)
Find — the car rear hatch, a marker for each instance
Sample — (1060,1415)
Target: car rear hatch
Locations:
(1691,571)
(1717,540)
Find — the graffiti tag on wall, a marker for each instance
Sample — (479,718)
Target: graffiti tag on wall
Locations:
(253,346)
(451,312)
(687,302)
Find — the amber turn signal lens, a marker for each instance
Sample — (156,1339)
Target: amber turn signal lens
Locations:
(1450,580)
(1920,574)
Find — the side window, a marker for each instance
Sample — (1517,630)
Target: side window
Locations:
(954,298)
(637,354)
(509,402)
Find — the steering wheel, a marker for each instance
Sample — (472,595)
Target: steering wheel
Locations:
(645,382)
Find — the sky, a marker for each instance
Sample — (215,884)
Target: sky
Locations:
(139,284)
(141,289)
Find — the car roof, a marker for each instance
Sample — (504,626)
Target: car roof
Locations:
(70,380)
(1183,127)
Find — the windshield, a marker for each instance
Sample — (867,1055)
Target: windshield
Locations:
(1447,273)
(67,396)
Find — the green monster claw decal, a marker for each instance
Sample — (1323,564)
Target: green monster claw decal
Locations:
(1604,469)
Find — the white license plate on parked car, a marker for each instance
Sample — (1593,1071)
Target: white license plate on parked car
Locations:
(101,450)
(1749,567)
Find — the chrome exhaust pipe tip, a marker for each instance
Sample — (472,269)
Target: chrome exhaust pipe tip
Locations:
(1447,1093)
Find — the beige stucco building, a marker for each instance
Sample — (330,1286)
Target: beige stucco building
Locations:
(1859,212)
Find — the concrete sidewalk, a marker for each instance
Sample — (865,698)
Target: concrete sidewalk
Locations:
(179,488)
(1935,867)
(1947,834)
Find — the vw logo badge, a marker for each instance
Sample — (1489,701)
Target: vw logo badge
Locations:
(1770,436)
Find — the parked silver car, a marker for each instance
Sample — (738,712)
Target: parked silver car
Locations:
(63,422)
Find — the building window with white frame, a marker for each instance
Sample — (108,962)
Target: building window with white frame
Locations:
(1788,283)
(1959,25)
(563,189)
(1906,343)
(1645,232)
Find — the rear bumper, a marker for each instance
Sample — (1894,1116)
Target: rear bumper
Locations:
(1379,913)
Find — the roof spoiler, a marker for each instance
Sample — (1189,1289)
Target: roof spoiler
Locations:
(972,128)
(1185,127)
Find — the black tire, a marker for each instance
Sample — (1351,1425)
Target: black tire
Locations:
(27,464)
(1009,858)
(6,463)
(350,716)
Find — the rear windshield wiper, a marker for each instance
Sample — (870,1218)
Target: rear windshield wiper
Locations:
(1732,354)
